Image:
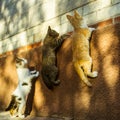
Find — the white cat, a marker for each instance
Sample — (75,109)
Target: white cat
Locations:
(19,96)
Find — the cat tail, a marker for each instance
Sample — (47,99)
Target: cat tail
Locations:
(12,102)
(46,81)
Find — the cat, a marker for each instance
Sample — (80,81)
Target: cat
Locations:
(19,96)
(49,69)
(80,47)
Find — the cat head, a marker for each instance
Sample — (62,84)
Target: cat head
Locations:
(76,20)
(21,62)
(51,37)
(52,32)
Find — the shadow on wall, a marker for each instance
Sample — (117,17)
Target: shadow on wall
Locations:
(104,103)
(7,79)
(21,15)
(72,98)
(17,16)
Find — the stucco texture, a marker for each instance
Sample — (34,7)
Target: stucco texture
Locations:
(72,98)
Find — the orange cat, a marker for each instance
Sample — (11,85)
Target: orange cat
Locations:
(80,47)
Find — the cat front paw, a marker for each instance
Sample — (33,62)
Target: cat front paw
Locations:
(65,36)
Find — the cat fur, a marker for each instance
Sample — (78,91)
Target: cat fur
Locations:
(19,96)
(49,70)
(80,48)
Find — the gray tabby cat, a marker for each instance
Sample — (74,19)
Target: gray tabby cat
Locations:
(49,70)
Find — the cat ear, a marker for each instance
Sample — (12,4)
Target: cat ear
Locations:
(49,28)
(69,17)
(76,14)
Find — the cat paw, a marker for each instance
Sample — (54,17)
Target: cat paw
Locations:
(95,73)
(65,36)
(37,74)
(92,29)
(57,82)
(88,83)
(21,116)
(13,116)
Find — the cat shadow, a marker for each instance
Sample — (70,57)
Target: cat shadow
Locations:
(30,98)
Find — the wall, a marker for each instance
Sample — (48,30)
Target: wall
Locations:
(25,22)
(72,98)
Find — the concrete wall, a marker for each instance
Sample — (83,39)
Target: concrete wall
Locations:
(25,22)
(72,98)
